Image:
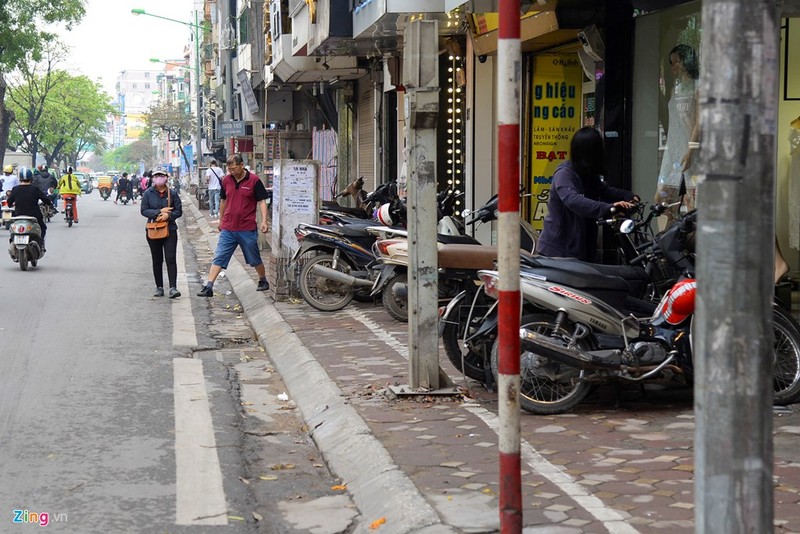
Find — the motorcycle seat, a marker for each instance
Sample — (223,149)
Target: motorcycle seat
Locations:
(456,239)
(333,206)
(574,273)
(464,256)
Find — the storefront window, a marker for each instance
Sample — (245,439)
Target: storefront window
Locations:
(666,106)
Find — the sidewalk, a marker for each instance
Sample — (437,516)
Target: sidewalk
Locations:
(430,465)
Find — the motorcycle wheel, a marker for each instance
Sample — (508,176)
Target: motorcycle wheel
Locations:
(785,358)
(23,259)
(395,306)
(539,393)
(472,361)
(322,293)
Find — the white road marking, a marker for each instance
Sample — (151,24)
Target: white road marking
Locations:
(200,497)
(612,520)
(184,333)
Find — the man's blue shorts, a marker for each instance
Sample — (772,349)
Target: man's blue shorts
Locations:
(228,241)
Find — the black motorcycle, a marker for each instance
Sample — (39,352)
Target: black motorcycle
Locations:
(579,325)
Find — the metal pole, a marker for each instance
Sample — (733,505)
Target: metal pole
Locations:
(733,334)
(508,381)
(198,150)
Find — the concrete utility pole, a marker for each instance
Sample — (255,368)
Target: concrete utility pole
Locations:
(734,340)
(198,145)
(509,71)
(421,80)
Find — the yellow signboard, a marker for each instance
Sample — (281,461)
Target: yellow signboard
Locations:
(557,82)
(488,22)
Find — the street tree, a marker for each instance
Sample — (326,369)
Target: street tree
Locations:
(129,157)
(74,120)
(27,91)
(170,118)
(56,114)
(23,40)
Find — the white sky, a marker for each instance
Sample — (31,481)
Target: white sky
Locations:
(110,39)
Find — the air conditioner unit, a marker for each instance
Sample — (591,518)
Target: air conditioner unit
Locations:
(592,42)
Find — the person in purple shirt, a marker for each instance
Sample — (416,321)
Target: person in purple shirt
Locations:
(578,197)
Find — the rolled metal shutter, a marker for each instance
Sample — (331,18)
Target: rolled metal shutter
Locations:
(366,132)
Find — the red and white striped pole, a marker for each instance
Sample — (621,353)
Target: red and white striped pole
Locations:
(509,70)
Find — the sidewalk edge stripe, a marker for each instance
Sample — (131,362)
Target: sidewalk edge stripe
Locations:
(336,427)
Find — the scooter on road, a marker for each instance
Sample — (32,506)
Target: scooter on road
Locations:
(25,245)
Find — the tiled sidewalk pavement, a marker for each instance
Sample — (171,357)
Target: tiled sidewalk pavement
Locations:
(598,469)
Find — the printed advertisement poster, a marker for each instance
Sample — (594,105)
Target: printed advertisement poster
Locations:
(557,102)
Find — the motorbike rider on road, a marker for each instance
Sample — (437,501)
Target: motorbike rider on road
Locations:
(9,179)
(123,186)
(25,200)
(69,187)
(46,181)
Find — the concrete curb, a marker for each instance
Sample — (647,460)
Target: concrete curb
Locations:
(378,487)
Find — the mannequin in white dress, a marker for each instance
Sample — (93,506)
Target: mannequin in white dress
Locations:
(683,132)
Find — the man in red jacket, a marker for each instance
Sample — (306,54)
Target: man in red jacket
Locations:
(241,194)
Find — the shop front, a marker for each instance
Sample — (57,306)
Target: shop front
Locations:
(666,121)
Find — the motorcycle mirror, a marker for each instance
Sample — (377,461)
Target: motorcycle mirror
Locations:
(627,226)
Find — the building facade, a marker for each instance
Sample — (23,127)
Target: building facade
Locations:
(323,79)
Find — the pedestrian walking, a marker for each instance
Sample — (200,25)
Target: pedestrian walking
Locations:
(160,204)
(241,194)
(213,181)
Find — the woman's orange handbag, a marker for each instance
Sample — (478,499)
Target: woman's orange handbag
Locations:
(158,229)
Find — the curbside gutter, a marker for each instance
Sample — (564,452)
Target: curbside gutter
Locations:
(379,488)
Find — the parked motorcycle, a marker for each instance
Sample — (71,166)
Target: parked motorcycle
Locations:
(581,326)
(25,245)
(343,268)
(391,283)
(466,309)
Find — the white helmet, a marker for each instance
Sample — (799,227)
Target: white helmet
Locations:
(384,216)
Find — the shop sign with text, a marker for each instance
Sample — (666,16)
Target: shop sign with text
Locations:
(556,117)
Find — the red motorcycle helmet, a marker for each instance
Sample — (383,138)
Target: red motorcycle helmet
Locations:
(678,304)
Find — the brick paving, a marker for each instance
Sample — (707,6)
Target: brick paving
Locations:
(623,456)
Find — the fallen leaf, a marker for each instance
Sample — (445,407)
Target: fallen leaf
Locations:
(318,465)
(282,467)
(257,516)
(339,487)
(375,525)
(244,480)
(268,477)
(235,518)
(247,403)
